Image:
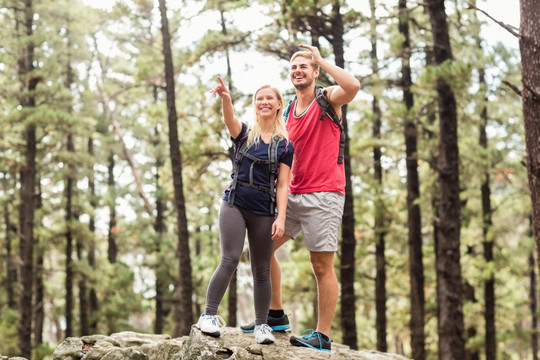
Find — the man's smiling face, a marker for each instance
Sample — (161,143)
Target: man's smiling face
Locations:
(302,73)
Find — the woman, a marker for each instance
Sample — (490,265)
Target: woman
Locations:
(249,203)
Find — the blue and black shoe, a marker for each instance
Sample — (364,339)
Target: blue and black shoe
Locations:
(313,340)
(277,324)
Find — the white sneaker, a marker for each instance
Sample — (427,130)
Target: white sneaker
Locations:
(210,324)
(263,334)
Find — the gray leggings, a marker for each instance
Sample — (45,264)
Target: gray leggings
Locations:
(233,223)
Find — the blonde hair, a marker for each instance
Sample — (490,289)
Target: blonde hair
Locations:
(254,135)
(306,55)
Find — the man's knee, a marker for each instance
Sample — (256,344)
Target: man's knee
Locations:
(322,263)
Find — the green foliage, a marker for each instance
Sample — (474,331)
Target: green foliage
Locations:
(118,301)
(42,351)
(8,331)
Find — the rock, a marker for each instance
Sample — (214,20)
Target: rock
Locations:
(164,350)
(70,349)
(130,338)
(93,339)
(233,344)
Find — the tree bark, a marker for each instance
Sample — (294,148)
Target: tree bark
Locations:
(529,43)
(487,223)
(348,240)
(112,250)
(39,308)
(11,267)
(379,215)
(160,228)
(533,302)
(28,184)
(92,295)
(70,301)
(414,222)
(448,267)
(184,311)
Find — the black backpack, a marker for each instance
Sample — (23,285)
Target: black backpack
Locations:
(272,170)
(321,95)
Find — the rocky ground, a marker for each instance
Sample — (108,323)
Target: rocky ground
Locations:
(233,344)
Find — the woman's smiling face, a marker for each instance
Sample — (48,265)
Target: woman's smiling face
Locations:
(267,103)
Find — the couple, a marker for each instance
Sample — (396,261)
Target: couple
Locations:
(313,204)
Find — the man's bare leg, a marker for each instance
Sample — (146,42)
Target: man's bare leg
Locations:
(327,289)
(275,275)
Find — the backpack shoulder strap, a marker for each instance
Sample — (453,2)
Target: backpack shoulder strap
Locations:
(236,166)
(273,169)
(321,95)
(288,110)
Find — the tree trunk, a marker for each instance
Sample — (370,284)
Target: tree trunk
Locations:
(39,308)
(416,266)
(348,240)
(184,311)
(489,283)
(533,301)
(69,304)
(92,295)
(160,228)
(449,282)
(487,223)
(112,250)
(379,230)
(529,43)
(533,307)
(28,184)
(11,267)
(379,215)
(26,244)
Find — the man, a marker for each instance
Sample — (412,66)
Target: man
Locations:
(317,189)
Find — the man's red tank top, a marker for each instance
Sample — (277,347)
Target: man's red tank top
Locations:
(316,150)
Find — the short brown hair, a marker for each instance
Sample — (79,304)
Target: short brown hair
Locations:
(306,55)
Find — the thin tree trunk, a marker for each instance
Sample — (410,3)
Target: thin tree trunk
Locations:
(39,314)
(184,311)
(529,42)
(379,229)
(11,267)
(431,139)
(28,184)
(112,250)
(160,228)
(92,296)
(489,283)
(533,307)
(39,309)
(416,266)
(348,240)
(69,304)
(533,300)
(26,243)
(448,266)
(379,215)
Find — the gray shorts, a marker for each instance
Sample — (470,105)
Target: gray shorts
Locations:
(318,215)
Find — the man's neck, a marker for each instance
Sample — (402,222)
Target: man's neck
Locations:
(306,95)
